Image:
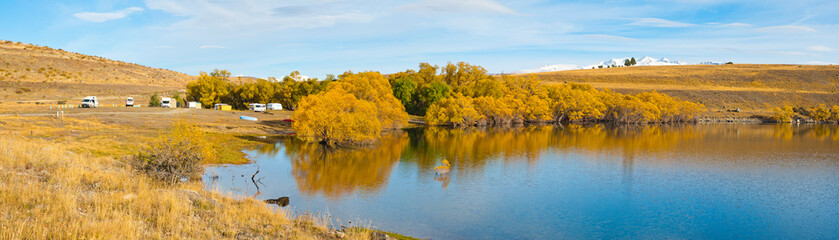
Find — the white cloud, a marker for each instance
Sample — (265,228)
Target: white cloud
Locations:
(821,48)
(106,16)
(211,47)
(788,28)
(658,22)
(607,37)
(732,24)
(458,6)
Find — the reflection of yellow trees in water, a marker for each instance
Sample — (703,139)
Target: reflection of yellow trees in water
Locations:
(335,172)
(339,172)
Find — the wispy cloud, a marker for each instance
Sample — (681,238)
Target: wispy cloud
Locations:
(211,47)
(788,28)
(607,37)
(821,48)
(106,16)
(658,22)
(733,25)
(459,6)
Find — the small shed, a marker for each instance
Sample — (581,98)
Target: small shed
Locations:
(223,107)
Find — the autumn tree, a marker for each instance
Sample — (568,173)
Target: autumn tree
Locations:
(820,113)
(336,117)
(575,103)
(209,89)
(375,88)
(455,110)
(493,110)
(784,114)
(835,112)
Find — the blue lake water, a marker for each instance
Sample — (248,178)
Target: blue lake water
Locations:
(570,182)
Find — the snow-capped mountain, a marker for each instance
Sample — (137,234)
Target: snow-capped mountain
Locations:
(645,61)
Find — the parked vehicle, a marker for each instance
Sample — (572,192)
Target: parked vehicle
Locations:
(90,102)
(129,102)
(274,106)
(168,102)
(256,107)
(193,105)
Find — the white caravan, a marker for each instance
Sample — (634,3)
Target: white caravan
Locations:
(90,102)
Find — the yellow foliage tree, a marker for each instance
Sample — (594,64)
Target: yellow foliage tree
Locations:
(576,104)
(784,114)
(835,112)
(493,110)
(672,110)
(820,113)
(209,89)
(375,88)
(630,109)
(456,110)
(336,117)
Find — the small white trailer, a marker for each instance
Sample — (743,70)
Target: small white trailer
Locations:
(274,106)
(193,105)
(168,102)
(256,107)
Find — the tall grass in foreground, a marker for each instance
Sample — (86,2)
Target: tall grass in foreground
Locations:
(48,192)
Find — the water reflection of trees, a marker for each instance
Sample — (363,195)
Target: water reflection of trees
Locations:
(339,172)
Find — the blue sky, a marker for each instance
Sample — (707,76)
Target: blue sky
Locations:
(265,38)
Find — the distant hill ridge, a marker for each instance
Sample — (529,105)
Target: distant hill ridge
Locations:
(747,86)
(33,63)
(619,62)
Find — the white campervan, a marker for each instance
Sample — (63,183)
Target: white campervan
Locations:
(168,102)
(90,102)
(256,107)
(274,106)
(129,102)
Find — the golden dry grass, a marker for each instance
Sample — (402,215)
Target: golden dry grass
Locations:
(21,62)
(49,192)
(751,87)
(69,179)
(108,131)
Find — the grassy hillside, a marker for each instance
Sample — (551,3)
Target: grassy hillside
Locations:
(753,88)
(32,63)
(31,74)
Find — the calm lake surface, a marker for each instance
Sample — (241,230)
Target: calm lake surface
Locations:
(578,182)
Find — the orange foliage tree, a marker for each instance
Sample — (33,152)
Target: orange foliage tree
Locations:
(336,117)
(375,88)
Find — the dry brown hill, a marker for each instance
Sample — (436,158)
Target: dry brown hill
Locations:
(32,63)
(31,74)
(751,87)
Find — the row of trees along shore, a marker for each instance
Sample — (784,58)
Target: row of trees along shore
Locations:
(356,107)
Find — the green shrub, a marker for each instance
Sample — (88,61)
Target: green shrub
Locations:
(154,101)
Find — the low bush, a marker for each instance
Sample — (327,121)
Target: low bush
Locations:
(169,162)
(176,155)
